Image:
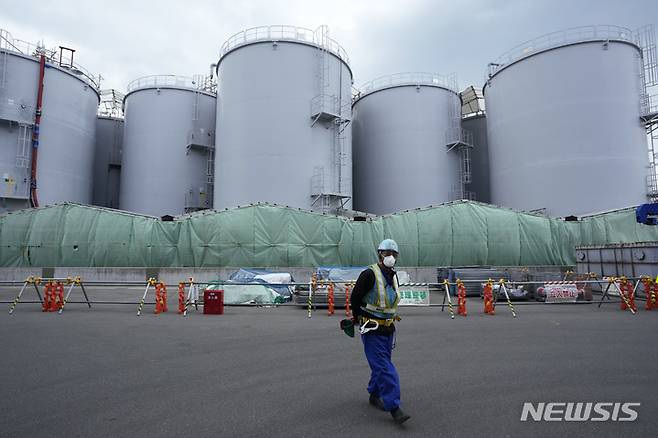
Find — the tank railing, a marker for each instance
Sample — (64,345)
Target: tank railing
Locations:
(650,105)
(171,81)
(456,136)
(111,103)
(560,38)
(281,32)
(330,104)
(409,78)
(52,56)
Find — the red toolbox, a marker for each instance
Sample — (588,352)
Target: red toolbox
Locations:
(213,302)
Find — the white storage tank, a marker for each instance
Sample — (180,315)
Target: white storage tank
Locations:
(563,123)
(283,120)
(406,147)
(168,145)
(67,127)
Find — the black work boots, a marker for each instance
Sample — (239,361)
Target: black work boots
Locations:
(376,402)
(399,416)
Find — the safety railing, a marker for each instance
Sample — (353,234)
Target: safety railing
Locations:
(155,81)
(456,136)
(561,38)
(576,291)
(649,105)
(283,33)
(408,78)
(7,42)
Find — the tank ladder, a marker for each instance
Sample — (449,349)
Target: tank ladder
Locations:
(328,108)
(459,140)
(652,177)
(210,172)
(24,145)
(646,39)
(3,69)
(5,42)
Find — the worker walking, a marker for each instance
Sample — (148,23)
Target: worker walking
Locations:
(374,302)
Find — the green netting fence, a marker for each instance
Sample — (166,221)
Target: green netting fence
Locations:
(460,233)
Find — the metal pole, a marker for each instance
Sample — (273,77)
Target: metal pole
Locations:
(141,303)
(82,286)
(310,291)
(66,298)
(17,299)
(188,300)
(36,288)
(452,311)
(509,302)
(605,294)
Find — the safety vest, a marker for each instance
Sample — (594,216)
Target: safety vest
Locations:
(382,300)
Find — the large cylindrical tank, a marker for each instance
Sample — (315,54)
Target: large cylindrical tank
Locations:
(563,122)
(479,186)
(402,157)
(107,161)
(283,122)
(168,145)
(67,129)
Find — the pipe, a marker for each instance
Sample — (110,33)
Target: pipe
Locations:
(34,200)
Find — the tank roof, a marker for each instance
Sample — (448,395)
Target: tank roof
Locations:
(408,79)
(561,38)
(57,58)
(282,32)
(201,83)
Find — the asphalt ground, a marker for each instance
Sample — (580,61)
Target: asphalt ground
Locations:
(270,372)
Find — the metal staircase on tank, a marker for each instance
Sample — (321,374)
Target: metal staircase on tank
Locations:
(203,141)
(329,110)
(461,141)
(646,40)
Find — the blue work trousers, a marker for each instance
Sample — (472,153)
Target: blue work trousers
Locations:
(384,380)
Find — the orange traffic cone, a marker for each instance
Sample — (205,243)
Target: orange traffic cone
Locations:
(488,298)
(461,298)
(330,299)
(160,298)
(649,287)
(58,302)
(181,298)
(628,299)
(46,297)
(165,308)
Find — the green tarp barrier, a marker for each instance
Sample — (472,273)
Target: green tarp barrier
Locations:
(461,233)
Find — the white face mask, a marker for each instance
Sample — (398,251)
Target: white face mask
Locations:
(389,261)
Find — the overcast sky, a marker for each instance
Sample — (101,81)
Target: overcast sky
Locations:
(123,40)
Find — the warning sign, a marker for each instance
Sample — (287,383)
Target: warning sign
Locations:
(414,296)
(561,293)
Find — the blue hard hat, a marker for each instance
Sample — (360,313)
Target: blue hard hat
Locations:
(388,245)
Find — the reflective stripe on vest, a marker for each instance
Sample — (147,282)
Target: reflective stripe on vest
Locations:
(380,303)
